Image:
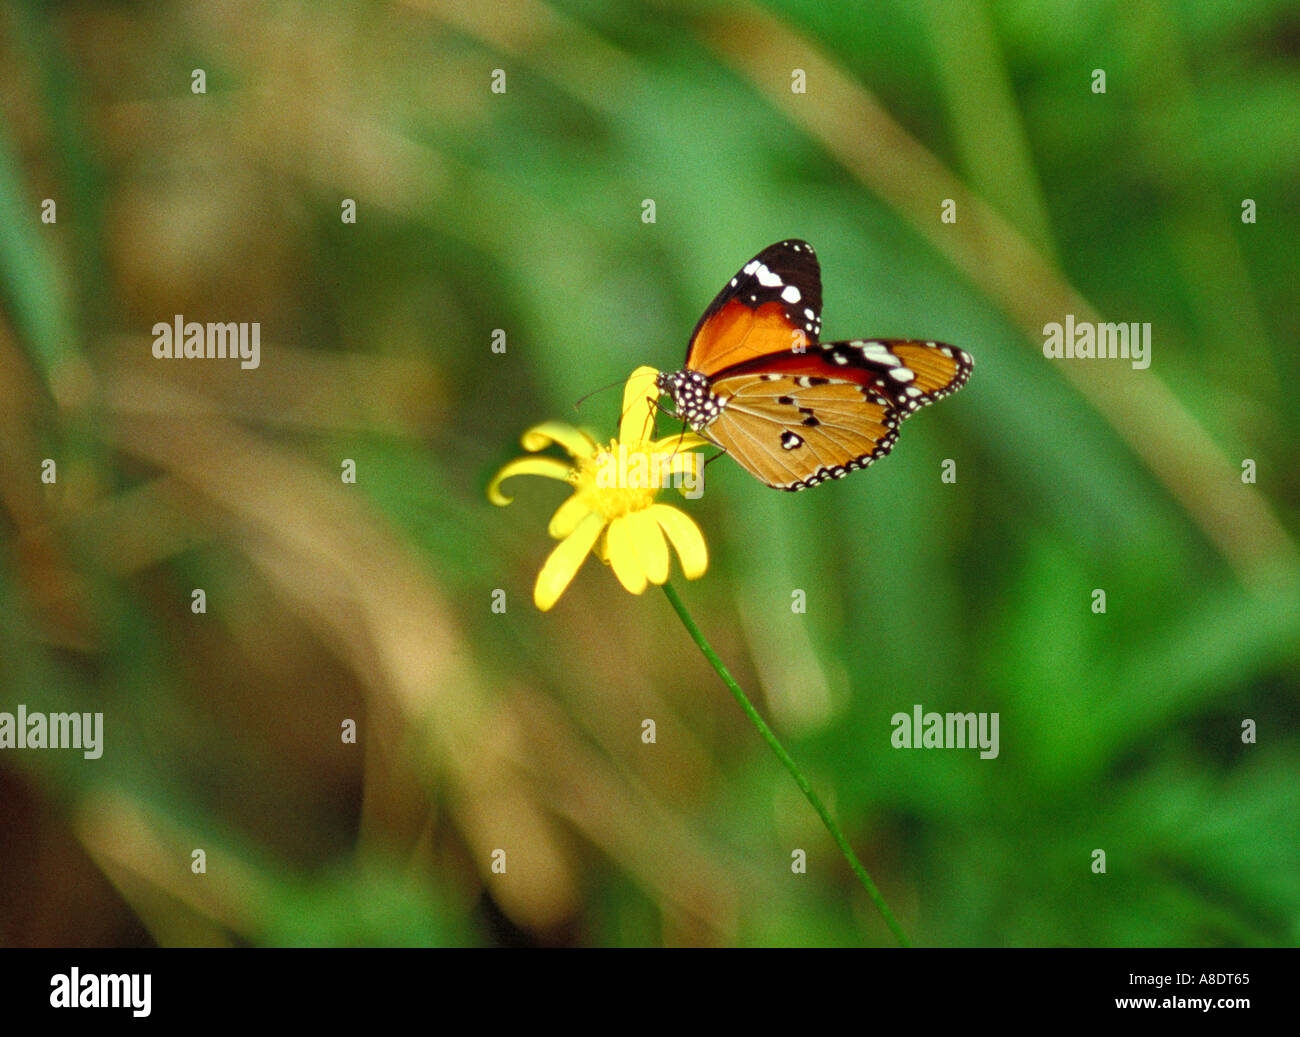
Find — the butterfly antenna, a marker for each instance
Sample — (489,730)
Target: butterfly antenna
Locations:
(583,399)
(646,432)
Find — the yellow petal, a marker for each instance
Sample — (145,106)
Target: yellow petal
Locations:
(686,472)
(567,516)
(563,563)
(638,423)
(547,466)
(680,441)
(688,462)
(651,548)
(686,538)
(574,440)
(623,557)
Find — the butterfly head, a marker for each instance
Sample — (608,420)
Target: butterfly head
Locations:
(695,403)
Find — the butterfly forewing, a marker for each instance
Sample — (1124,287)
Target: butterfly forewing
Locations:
(794,431)
(772,305)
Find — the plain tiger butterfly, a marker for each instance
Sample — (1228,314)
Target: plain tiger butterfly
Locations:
(791,410)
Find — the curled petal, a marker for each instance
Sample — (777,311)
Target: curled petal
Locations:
(690,483)
(680,441)
(547,466)
(639,394)
(677,464)
(685,536)
(563,563)
(623,556)
(574,440)
(567,516)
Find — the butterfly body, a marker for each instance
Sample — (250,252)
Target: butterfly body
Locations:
(792,410)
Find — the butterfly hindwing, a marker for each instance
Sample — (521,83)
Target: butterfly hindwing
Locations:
(910,372)
(793,431)
(772,305)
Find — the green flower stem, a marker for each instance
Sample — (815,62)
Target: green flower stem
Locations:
(790,765)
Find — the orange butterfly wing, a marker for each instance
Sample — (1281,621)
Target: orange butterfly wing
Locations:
(908,372)
(773,305)
(794,431)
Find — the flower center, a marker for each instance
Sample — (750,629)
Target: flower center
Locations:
(617,480)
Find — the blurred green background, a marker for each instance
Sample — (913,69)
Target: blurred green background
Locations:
(523,211)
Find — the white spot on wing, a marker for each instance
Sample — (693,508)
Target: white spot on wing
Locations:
(880,354)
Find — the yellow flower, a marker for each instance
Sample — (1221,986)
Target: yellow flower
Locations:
(612,510)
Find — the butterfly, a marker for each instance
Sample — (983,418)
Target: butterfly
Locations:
(789,409)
